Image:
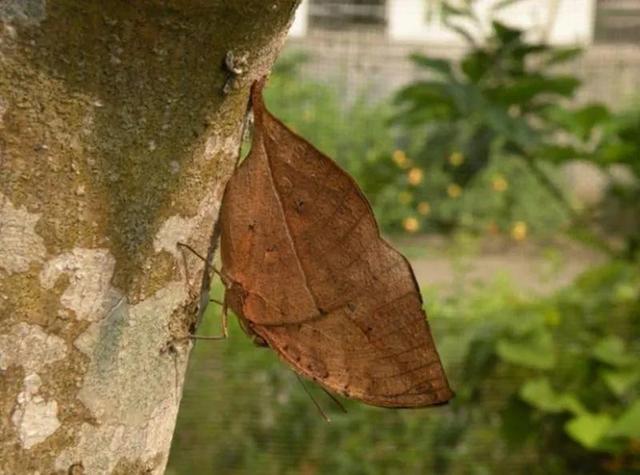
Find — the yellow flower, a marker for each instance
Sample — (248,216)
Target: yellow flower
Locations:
(410,224)
(456,159)
(400,159)
(405,197)
(519,231)
(424,208)
(415,176)
(454,190)
(499,184)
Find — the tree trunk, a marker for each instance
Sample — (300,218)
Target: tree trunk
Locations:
(120,123)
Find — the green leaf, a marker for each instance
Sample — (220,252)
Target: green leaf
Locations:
(581,121)
(521,51)
(506,34)
(588,429)
(476,64)
(423,93)
(514,129)
(537,352)
(466,97)
(611,350)
(424,101)
(628,425)
(523,90)
(562,55)
(539,394)
(619,381)
(591,115)
(441,66)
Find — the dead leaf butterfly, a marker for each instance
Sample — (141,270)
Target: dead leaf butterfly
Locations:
(309,276)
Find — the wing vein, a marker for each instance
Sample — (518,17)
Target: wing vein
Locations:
(288,230)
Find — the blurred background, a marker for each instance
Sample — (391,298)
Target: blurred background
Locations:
(499,144)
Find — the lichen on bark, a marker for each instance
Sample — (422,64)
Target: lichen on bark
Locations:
(116,141)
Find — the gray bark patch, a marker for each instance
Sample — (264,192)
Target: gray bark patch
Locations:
(127,347)
(30,347)
(34,418)
(89,294)
(20,245)
(26,12)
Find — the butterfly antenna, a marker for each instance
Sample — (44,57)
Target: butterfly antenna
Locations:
(335,400)
(315,403)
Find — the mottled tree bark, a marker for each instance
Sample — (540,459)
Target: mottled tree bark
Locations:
(116,141)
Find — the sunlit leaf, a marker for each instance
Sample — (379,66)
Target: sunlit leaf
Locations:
(588,429)
(611,350)
(539,393)
(628,424)
(536,353)
(619,381)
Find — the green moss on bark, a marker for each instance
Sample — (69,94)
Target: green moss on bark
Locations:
(142,84)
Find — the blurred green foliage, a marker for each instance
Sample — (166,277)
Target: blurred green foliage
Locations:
(546,386)
(562,374)
(619,144)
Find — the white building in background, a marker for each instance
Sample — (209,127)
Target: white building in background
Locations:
(559,22)
(555,21)
(364,45)
(299,26)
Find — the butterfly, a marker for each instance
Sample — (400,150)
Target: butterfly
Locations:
(309,276)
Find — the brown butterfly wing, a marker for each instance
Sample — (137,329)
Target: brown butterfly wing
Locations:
(313,278)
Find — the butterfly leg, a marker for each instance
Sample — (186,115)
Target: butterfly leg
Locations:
(193,251)
(203,259)
(225,319)
(224,324)
(222,279)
